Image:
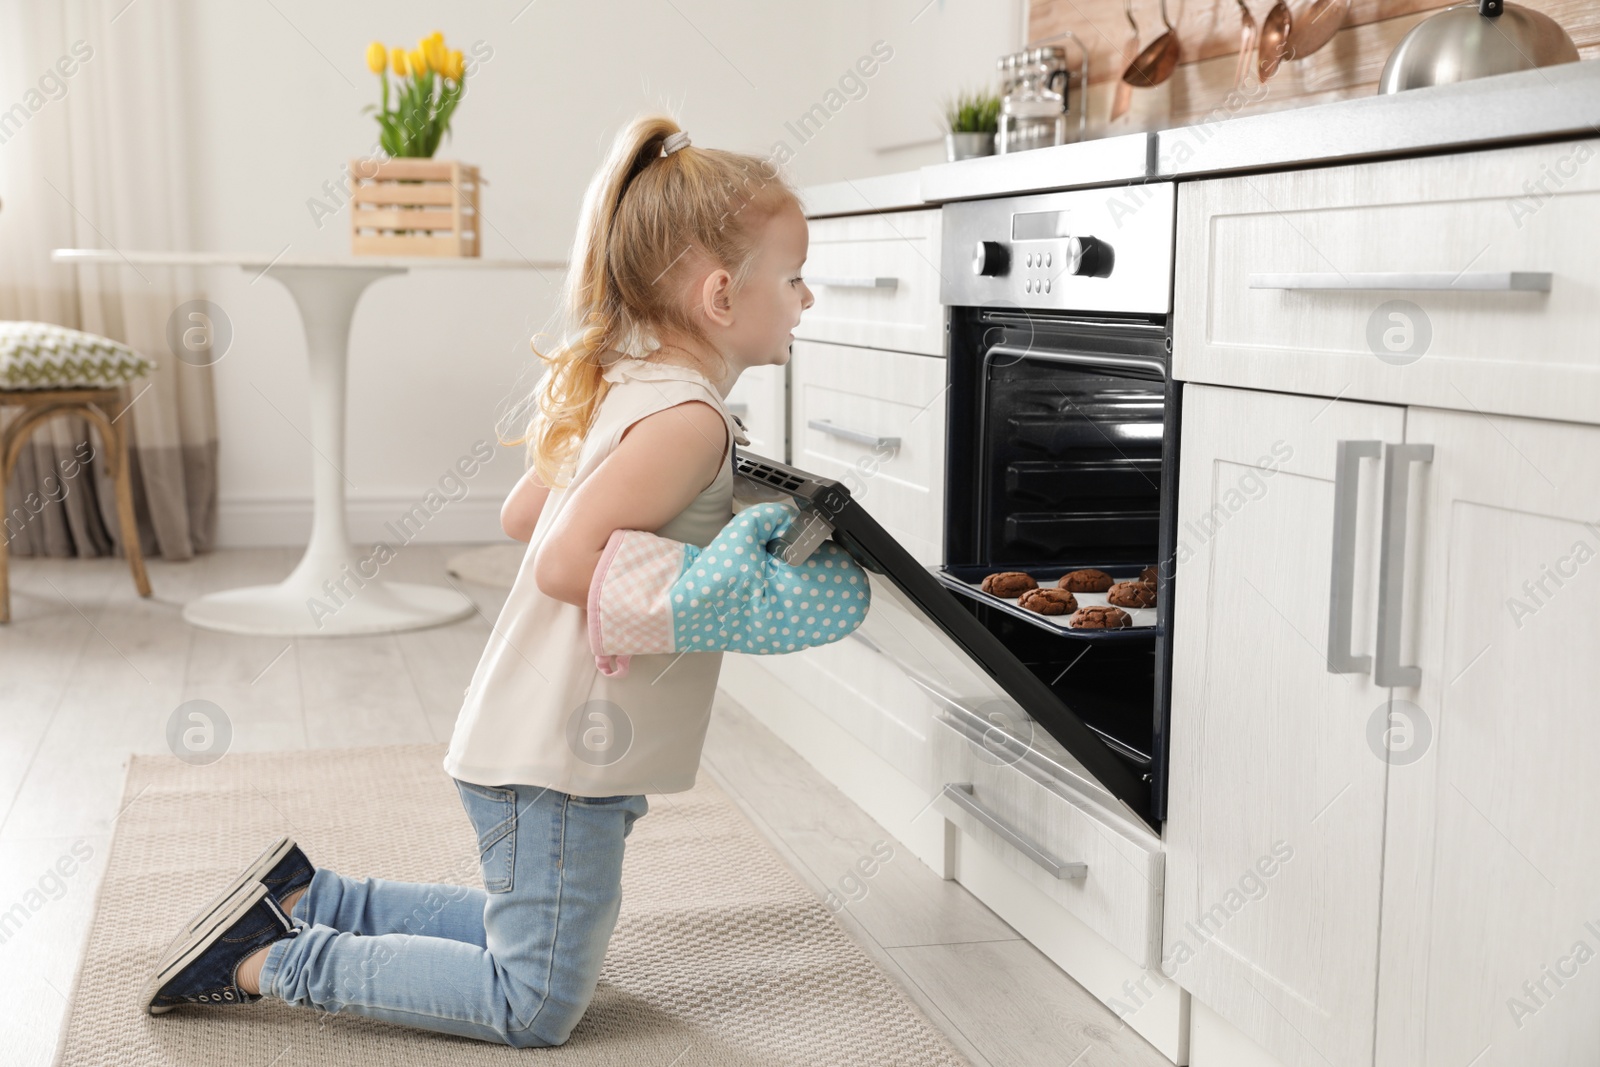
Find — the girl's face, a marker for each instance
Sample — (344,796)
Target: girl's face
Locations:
(766,311)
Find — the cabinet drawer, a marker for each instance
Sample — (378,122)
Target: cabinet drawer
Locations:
(760,399)
(1414,281)
(847,406)
(866,695)
(876,282)
(1042,829)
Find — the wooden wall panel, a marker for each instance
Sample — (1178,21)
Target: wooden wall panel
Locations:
(1208,31)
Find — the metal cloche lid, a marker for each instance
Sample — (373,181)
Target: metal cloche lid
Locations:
(1474,40)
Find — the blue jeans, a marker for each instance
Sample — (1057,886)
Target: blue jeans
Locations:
(515,962)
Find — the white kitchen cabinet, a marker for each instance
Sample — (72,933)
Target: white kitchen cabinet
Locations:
(1491,915)
(875,421)
(875,278)
(1274,831)
(1465,281)
(760,398)
(867,697)
(1104,871)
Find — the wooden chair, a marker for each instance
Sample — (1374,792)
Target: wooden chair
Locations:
(94,404)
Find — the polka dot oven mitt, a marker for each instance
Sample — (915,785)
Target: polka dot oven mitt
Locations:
(651,594)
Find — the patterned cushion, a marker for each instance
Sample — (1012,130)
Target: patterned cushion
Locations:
(42,355)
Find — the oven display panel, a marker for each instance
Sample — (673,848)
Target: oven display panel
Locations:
(1041,225)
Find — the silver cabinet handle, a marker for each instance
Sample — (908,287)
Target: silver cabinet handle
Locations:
(865,640)
(1397,459)
(1529,281)
(1341,594)
(837,282)
(857,436)
(960,795)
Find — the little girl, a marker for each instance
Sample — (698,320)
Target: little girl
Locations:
(692,257)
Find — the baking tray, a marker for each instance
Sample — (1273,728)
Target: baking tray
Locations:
(967,581)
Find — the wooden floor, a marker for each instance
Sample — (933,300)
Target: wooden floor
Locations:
(90,673)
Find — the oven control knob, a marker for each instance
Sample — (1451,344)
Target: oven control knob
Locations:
(990,257)
(1083,255)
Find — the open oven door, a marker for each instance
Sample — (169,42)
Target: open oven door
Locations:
(933,636)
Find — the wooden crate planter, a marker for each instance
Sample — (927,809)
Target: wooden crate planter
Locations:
(414,207)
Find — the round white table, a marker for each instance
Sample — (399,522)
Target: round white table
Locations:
(326,290)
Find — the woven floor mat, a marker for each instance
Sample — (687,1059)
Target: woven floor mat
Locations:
(721,956)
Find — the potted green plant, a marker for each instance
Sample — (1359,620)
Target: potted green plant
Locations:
(971,120)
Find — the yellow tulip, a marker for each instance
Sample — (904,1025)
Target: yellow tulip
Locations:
(377,57)
(398,58)
(455,67)
(437,56)
(436,36)
(418,61)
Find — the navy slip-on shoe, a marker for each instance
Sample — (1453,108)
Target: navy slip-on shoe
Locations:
(202,966)
(282,868)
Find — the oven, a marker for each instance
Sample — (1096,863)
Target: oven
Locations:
(1061,434)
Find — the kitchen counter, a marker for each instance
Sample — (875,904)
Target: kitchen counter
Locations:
(855,196)
(1542,104)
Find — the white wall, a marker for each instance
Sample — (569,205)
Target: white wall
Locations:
(275,113)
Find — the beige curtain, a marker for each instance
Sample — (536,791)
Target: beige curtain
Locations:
(92,155)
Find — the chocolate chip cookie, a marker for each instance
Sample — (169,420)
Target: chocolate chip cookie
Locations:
(1048,601)
(1099,617)
(1008,583)
(1148,574)
(1085,581)
(1132,595)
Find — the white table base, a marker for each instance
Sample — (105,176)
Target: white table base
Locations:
(326,289)
(329,593)
(291,608)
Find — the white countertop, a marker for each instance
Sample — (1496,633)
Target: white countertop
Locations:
(1548,103)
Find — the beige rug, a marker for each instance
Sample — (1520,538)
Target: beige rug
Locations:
(721,956)
(491,565)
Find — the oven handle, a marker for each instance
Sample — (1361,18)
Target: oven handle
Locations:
(959,795)
(1086,359)
(1341,594)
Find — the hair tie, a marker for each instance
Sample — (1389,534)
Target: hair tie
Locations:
(674,142)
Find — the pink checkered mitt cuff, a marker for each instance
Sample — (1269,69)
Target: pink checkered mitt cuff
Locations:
(629,604)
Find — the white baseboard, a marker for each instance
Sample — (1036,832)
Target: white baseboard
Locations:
(1215,1042)
(286,521)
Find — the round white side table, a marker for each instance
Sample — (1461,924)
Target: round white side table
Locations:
(330,574)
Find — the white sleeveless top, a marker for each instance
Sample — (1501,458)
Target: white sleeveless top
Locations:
(538,711)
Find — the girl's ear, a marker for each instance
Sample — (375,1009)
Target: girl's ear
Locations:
(717,297)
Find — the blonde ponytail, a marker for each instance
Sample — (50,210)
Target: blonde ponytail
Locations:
(642,214)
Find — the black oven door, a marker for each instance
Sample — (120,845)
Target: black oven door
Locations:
(933,636)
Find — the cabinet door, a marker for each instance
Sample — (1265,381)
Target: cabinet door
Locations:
(760,399)
(1491,922)
(1369,281)
(867,696)
(1274,828)
(875,278)
(875,421)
